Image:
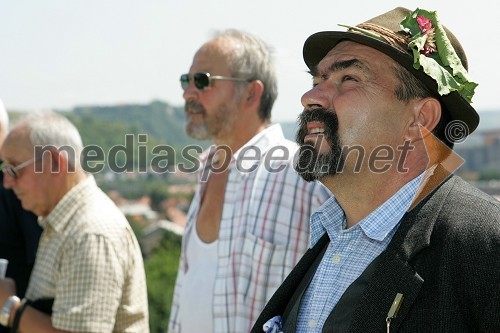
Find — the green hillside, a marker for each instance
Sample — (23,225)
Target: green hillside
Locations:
(108,125)
(126,127)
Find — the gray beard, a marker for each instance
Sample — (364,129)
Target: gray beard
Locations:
(199,132)
(212,126)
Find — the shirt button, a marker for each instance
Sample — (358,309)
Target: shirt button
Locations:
(336,259)
(312,323)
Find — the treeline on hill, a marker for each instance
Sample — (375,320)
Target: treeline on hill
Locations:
(131,126)
(149,125)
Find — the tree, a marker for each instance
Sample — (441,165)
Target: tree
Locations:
(161,272)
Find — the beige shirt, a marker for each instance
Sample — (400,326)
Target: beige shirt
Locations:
(89,260)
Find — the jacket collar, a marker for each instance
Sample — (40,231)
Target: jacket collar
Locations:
(394,273)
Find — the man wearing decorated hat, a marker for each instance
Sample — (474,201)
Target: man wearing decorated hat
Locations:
(404,245)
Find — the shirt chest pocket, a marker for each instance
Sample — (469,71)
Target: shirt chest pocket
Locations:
(263,269)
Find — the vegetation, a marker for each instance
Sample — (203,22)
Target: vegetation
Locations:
(161,122)
(161,272)
(489,174)
(120,132)
(134,188)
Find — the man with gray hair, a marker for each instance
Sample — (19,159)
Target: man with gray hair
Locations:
(249,219)
(89,265)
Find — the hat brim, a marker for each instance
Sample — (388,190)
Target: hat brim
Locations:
(317,46)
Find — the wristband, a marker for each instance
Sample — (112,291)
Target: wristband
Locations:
(17,316)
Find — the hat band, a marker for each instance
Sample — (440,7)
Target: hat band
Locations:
(395,40)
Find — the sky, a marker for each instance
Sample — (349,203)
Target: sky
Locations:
(66,53)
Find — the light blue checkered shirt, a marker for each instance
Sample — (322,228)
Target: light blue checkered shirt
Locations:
(349,252)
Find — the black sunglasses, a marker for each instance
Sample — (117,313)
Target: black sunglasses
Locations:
(203,80)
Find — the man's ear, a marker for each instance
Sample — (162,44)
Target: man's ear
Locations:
(427,113)
(58,161)
(253,93)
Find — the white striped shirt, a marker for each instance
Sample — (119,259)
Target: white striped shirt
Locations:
(263,233)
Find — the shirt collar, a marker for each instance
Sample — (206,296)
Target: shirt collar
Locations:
(251,151)
(60,216)
(328,217)
(383,219)
(377,225)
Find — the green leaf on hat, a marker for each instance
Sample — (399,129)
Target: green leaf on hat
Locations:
(444,66)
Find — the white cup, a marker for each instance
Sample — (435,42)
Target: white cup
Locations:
(3,267)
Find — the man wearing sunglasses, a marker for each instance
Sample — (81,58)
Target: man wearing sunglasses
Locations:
(248,221)
(19,230)
(88,274)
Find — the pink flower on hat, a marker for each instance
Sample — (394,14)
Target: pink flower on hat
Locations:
(424,23)
(425,26)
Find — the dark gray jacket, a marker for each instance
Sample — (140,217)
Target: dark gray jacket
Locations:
(444,259)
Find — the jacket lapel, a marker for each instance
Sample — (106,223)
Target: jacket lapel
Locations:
(394,273)
(282,297)
(292,309)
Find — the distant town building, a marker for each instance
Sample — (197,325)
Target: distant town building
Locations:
(138,209)
(153,234)
(481,152)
